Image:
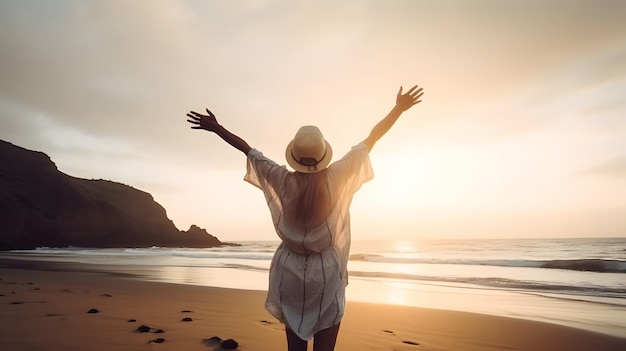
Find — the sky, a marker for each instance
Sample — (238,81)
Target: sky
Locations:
(521,132)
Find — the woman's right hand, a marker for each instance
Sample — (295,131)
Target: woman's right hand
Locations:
(200,121)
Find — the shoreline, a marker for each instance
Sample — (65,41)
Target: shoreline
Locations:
(44,307)
(594,314)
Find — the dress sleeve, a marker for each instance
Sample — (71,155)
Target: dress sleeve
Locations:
(268,176)
(262,172)
(354,168)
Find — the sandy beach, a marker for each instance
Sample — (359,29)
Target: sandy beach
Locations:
(48,310)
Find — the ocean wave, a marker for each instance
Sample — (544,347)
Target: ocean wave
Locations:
(381,268)
(212,253)
(500,283)
(590,265)
(265,253)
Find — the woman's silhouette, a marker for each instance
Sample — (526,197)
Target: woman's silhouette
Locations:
(310,211)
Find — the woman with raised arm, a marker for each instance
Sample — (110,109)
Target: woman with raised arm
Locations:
(310,209)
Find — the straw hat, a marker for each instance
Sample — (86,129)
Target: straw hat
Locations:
(308,152)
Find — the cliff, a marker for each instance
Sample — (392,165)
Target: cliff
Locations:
(41,206)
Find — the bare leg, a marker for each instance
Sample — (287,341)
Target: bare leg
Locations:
(325,339)
(294,343)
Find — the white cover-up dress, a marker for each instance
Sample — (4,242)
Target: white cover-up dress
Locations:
(308,273)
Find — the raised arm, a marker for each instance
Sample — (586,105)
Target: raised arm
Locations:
(403,103)
(209,122)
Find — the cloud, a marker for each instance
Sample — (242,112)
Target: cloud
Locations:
(95,61)
(126,68)
(585,92)
(615,167)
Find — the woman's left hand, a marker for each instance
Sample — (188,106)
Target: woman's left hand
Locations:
(412,97)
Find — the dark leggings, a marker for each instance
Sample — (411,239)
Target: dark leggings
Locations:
(324,340)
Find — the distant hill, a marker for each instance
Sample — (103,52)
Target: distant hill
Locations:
(41,206)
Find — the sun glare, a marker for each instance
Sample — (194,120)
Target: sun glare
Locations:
(400,184)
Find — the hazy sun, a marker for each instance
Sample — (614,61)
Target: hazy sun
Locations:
(403,180)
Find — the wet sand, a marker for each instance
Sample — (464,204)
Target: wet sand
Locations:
(49,310)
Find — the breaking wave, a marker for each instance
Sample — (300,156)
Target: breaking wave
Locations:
(589,265)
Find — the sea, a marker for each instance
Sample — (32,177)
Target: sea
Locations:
(574,282)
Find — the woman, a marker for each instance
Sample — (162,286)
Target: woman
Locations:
(310,211)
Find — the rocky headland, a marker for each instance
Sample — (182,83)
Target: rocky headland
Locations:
(43,207)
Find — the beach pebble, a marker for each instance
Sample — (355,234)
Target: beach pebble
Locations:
(186,311)
(143,329)
(230,344)
(212,341)
(158,340)
(132,320)
(186,319)
(93,310)
(159,331)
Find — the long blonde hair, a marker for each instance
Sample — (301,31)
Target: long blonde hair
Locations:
(313,203)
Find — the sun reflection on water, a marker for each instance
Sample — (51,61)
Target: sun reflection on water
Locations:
(404,246)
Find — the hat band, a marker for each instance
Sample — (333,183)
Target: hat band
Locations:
(309,164)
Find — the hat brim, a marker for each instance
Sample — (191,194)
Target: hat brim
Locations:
(299,167)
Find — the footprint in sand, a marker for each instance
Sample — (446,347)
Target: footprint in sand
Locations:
(272,325)
(23,302)
(413,343)
(409,344)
